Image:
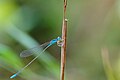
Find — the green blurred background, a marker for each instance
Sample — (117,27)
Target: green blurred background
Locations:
(92,25)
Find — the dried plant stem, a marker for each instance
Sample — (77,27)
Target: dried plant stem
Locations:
(63,51)
(63,48)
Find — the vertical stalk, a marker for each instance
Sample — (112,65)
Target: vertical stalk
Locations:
(63,48)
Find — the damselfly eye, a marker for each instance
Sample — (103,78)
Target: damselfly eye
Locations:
(60,43)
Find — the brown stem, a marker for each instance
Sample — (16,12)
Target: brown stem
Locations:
(65,6)
(63,48)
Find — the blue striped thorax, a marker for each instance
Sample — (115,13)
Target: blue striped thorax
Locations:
(54,40)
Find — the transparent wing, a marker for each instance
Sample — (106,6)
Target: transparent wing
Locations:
(33,50)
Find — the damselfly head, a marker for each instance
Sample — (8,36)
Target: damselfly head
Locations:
(60,42)
(58,38)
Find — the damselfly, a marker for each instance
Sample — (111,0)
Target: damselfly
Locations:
(35,50)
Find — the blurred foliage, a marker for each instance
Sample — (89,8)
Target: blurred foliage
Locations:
(92,24)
